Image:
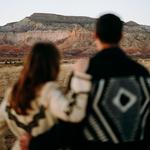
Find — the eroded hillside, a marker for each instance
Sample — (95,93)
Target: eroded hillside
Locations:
(73,35)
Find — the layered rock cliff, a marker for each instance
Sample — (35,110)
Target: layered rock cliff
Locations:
(136,39)
(73,35)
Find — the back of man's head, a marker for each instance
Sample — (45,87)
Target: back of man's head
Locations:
(109,28)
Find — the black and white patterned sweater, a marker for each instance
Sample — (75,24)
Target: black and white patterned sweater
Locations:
(118,105)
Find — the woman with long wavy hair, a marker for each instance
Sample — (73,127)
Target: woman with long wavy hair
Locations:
(35,102)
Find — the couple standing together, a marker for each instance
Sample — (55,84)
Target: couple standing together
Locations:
(107,100)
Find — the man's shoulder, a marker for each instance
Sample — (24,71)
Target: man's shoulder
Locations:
(118,63)
(98,55)
(139,68)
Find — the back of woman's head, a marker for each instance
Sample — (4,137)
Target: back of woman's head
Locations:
(43,63)
(41,66)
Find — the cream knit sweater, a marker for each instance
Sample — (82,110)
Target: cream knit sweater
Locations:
(50,105)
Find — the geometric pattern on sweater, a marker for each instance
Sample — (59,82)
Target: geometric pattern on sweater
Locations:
(118,109)
(27,127)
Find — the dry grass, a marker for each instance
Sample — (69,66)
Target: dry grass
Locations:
(9,74)
(145,62)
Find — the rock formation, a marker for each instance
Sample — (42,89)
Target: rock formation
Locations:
(73,35)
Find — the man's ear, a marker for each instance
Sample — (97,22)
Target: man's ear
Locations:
(98,42)
(122,35)
(94,35)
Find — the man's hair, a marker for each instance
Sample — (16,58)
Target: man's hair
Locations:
(109,28)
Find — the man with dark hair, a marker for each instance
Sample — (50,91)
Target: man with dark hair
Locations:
(111,61)
(109,29)
(118,105)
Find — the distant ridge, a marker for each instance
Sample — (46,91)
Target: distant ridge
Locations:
(54,18)
(72,34)
(45,21)
(131,23)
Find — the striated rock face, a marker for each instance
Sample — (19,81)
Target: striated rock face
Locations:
(136,39)
(41,21)
(30,37)
(73,35)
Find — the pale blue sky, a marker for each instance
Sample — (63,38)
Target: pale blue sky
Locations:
(135,10)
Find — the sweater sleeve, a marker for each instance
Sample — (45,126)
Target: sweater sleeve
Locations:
(71,107)
(3,126)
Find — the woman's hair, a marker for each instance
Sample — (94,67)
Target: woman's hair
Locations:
(41,66)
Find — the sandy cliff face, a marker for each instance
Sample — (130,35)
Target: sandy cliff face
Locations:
(136,39)
(30,37)
(73,35)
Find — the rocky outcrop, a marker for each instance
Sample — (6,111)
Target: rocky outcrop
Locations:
(73,35)
(41,21)
(136,39)
(30,37)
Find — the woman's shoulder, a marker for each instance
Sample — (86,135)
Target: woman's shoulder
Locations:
(46,91)
(7,93)
(48,86)
(5,101)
